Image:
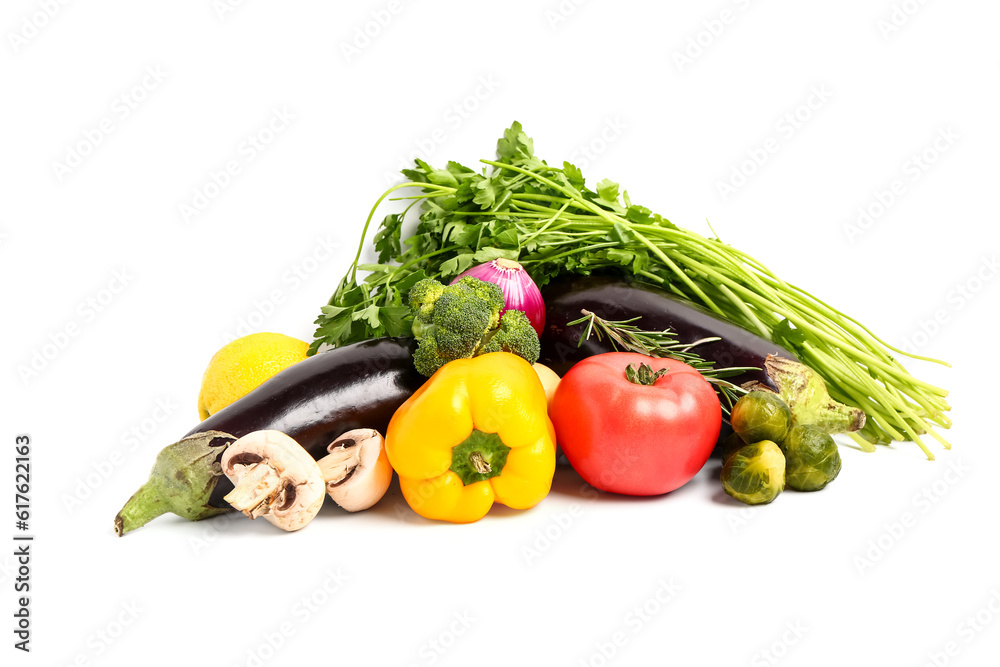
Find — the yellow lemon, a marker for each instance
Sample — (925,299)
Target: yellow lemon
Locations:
(550,380)
(243,365)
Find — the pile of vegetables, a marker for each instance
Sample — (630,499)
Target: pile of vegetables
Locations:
(643,344)
(781,431)
(321,403)
(545,217)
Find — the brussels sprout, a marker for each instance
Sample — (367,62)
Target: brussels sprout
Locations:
(761,415)
(755,474)
(730,446)
(812,458)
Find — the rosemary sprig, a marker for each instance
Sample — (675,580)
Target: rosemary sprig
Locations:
(626,337)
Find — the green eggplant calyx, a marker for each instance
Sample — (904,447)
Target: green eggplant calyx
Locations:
(806,395)
(181,482)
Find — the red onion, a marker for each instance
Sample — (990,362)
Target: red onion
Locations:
(519,290)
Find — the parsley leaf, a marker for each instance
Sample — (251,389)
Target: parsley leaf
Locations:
(489,254)
(784,333)
(638,214)
(456,265)
(387,238)
(397,320)
(608,191)
(485,193)
(574,175)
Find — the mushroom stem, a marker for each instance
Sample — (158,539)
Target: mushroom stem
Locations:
(356,469)
(338,465)
(275,478)
(256,491)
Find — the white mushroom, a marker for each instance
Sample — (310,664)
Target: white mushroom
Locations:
(357,470)
(274,478)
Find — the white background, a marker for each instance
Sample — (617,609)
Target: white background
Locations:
(597,82)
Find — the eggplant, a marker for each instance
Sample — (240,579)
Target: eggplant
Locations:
(327,394)
(775,369)
(313,402)
(617,299)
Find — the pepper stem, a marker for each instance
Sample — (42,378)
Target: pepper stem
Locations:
(479,463)
(256,491)
(479,457)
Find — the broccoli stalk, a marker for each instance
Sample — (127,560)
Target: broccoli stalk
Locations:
(463,320)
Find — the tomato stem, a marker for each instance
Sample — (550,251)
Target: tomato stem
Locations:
(644,375)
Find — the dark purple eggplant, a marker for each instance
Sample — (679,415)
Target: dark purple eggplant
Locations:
(617,299)
(802,389)
(313,401)
(325,395)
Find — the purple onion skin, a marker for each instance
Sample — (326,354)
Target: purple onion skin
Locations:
(520,291)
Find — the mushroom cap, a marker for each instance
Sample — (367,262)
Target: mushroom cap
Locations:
(303,487)
(368,470)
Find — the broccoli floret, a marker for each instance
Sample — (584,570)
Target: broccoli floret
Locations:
(463,320)
(515,335)
(426,358)
(490,293)
(424,295)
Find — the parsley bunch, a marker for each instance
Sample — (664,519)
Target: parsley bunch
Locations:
(545,217)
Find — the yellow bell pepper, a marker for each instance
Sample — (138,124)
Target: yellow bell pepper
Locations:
(476,432)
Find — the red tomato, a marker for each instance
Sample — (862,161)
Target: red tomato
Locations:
(635,439)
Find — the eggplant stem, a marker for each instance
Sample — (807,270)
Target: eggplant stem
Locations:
(145,505)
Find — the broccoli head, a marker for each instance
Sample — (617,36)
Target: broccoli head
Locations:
(423,296)
(515,335)
(463,320)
